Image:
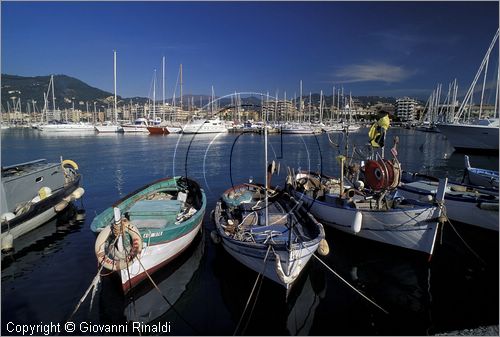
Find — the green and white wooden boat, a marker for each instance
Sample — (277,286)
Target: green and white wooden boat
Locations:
(148,228)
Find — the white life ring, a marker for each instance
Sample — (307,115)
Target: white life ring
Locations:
(109,257)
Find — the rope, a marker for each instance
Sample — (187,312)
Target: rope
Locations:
(443,211)
(356,290)
(94,283)
(251,293)
(165,298)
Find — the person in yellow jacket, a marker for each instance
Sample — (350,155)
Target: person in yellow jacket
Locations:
(378,130)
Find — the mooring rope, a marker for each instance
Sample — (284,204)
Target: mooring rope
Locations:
(443,211)
(356,290)
(166,299)
(251,293)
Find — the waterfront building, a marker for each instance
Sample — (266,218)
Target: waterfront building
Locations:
(406,109)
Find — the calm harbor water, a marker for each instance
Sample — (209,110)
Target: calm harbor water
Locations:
(49,272)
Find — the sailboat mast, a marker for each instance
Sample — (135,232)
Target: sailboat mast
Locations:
(114,76)
(181,88)
(265,166)
(154,96)
(53,96)
(163,82)
(300,102)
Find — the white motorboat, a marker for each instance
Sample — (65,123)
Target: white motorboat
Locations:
(140,125)
(67,127)
(213,125)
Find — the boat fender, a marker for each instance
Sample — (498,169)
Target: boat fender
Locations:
(7,216)
(44,192)
(356,222)
(78,193)
(61,205)
(7,242)
(323,248)
(489,206)
(108,256)
(215,237)
(458,188)
(70,163)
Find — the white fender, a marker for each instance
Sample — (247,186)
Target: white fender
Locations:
(356,222)
(61,205)
(7,242)
(323,248)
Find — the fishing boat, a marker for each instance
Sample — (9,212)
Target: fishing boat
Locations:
(480,177)
(279,246)
(33,193)
(148,228)
(463,203)
(376,212)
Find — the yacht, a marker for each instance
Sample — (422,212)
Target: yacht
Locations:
(213,125)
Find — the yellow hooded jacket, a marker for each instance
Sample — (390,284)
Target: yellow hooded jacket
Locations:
(378,130)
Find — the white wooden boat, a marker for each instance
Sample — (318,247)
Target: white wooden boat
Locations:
(463,203)
(381,217)
(34,192)
(480,177)
(279,248)
(148,228)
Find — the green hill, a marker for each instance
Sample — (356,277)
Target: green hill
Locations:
(66,90)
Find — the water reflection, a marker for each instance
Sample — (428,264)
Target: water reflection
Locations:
(41,241)
(145,303)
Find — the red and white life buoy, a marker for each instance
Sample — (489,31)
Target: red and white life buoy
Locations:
(111,257)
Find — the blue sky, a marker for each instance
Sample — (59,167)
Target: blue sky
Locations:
(370,48)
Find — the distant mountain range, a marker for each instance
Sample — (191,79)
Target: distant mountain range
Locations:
(69,90)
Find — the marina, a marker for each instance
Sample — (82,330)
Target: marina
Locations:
(323,168)
(456,290)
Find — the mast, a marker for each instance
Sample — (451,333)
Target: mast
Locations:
(163,81)
(154,97)
(53,96)
(181,88)
(300,102)
(114,75)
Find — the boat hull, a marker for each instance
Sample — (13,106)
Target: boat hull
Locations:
(410,228)
(471,137)
(253,257)
(156,256)
(469,210)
